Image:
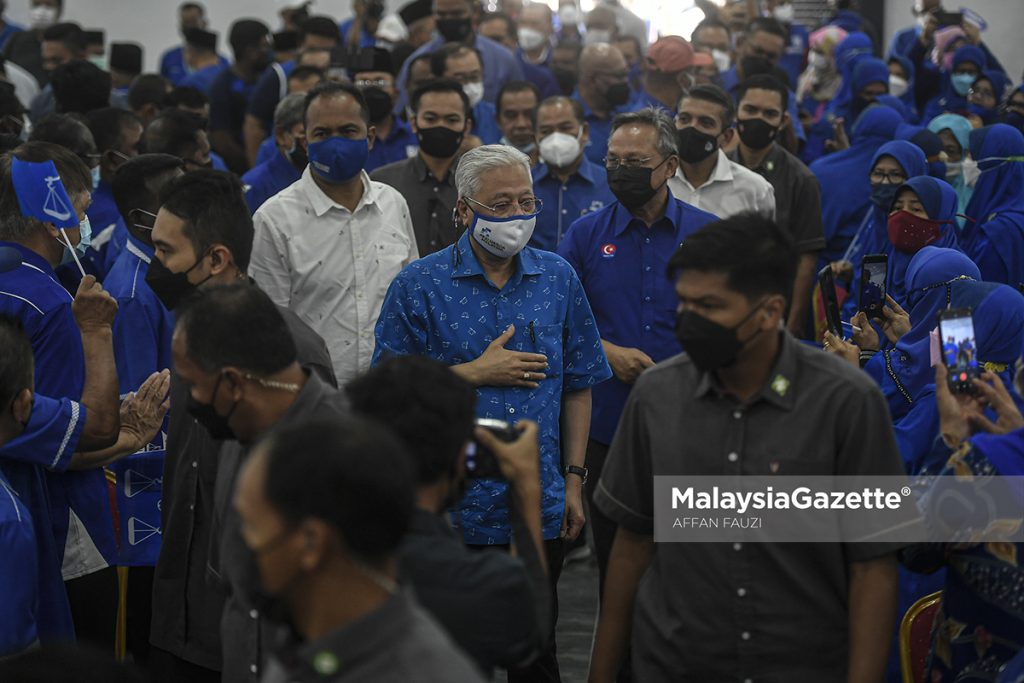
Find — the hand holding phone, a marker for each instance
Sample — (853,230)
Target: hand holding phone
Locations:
(873,271)
(959,349)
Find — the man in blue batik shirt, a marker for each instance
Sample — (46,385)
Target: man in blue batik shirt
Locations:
(515,322)
(621,255)
(569,184)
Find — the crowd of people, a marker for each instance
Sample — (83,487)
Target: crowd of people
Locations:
(319,362)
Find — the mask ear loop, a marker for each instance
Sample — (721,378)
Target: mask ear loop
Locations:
(966,217)
(74,254)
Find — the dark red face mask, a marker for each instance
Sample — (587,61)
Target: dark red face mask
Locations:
(910,233)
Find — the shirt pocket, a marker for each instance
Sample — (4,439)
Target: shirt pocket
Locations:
(389,249)
(548,340)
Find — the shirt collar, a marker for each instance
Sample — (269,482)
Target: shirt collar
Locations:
(466,264)
(398,127)
(139,249)
(674,215)
(721,172)
(770,163)
(778,390)
(587,170)
(32,258)
(321,203)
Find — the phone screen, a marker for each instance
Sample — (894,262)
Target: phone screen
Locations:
(959,350)
(828,296)
(872,286)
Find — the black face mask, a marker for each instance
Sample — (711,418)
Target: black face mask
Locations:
(206,415)
(709,345)
(379,103)
(298,157)
(617,95)
(694,145)
(566,80)
(171,288)
(632,186)
(455,30)
(440,142)
(756,133)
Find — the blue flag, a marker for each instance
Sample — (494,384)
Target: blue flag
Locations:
(41,193)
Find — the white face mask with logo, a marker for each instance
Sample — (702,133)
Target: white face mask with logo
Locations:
(898,86)
(475,93)
(503,237)
(559,150)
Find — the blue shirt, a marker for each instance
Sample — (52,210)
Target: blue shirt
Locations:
(600,129)
(47,444)
(366,38)
(586,191)
(792,62)
(540,76)
(500,66)
(267,150)
(731,83)
(444,307)
(18,629)
(31,294)
(142,346)
(271,87)
(485,123)
(399,146)
(644,99)
(267,179)
(229,99)
(173,67)
(9,30)
(109,233)
(622,264)
(203,79)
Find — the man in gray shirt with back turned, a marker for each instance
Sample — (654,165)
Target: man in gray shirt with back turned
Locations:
(745,399)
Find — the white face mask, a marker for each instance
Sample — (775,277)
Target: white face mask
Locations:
(722,60)
(898,86)
(817,60)
(783,13)
(42,17)
(503,237)
(569,15)
(475,92)
(100,61)
(559,150)
(598,35)
(971,172)
(95,171)
(953,168)
(530,39)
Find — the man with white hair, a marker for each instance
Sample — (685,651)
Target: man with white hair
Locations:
(265,180)
(515,322)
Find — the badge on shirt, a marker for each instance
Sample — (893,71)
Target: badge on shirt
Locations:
(780,385)
(326,663)
(608,250)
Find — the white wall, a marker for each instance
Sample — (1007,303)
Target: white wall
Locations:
(1005,27)
(154,23)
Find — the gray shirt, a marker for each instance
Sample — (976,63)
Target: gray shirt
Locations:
(737,612)
(797,197)
(431,201)
(245,633)
(396,643)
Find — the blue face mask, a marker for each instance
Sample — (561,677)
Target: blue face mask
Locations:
(937,169)
(962,83)
(1012,118)
(986,114)
(95,178)
(338,160)
(883,194)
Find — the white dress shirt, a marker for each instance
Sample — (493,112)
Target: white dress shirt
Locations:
(731,189)
(332,266)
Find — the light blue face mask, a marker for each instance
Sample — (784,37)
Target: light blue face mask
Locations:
(85,236)
(95,177)
(962,83)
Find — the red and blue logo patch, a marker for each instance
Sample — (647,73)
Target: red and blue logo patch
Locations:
(608,250)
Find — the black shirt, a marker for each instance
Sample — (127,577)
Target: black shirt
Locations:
(797,197)
(431,201)
(25,50)
(765,612)
(186,607)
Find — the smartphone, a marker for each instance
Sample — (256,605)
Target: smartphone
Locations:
(481,463)
(828,296)
(873,271)
(959,349)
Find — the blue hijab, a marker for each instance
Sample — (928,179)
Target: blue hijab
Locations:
(872,236)
(999,82)
(949,100)
(866,70)
(843,177)
(1012,118)
(996,239)
(907,98)
(848,53)
(932,275)
(961,129)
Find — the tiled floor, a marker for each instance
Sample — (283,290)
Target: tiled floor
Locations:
(577,604)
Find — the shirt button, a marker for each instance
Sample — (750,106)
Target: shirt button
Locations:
(647,298)
(195,464)
(253,668)
(511,411)
(253,614)
(436,189)
(647,269)
(748,680)
(191,507)
(745,635)
(737,546)
(647,240)
(741,592)
(733,457)
(565,211)
(647,328)
(737,414)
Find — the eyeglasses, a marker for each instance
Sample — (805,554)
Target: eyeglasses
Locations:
(527,207)
(982,92)
(893,177)
(379,83)
(613,163)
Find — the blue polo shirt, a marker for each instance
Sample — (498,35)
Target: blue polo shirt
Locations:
(366,39)
(267,179)
(600,129)
(173,67)
(267,150)
(271,87)
(792,62)
(109,233)
(32,294)
(203,79)
(644,99)
(18,629)
(622,264)
(46,445)
(229,100)
(142,346)
(401,144)
(444,307)
(586,191)
(485,123)
(730,82)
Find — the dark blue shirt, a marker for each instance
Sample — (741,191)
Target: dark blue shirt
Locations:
(271,87)
(485,123)
(109,233)
(229,99)
(792,62)
(267,179)
(400,145)
(267,150)
(622,264)
(366,38)
(444,307)
(31,294)
(173,67)
(540,76)
(18,628)
(731,83)
(203,79)
(586,191)
(600,129)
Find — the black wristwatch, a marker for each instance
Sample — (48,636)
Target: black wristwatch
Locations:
(581,472)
